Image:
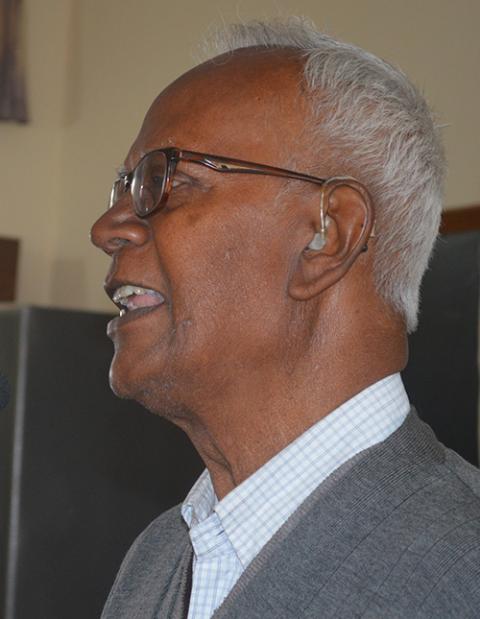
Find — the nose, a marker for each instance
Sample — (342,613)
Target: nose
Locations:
(117,227)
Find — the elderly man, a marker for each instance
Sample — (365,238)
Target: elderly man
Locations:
(268,237)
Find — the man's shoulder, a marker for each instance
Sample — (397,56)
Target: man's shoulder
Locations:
(450,485)
(414,452)
(435,539)
(440,487)
(424,555)
(465,474)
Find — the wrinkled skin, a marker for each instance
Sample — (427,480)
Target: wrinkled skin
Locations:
(258,337)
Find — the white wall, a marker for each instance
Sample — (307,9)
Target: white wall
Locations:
(95,65)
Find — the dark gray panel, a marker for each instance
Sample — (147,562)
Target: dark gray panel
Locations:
(442,373)
(95,469)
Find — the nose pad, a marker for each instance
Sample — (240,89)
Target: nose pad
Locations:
(118,227)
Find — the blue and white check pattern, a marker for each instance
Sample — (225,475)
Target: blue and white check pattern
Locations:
(226,535)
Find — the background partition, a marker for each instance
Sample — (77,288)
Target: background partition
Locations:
(442,376)
(81,472)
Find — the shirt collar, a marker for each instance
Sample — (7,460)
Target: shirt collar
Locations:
(253,511)
(200,500)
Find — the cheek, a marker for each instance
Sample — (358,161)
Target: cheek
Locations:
(234,305)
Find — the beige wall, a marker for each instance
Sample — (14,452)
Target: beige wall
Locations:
(95,65)
(30,154)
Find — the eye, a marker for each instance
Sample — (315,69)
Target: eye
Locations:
(177,182)
(181,180)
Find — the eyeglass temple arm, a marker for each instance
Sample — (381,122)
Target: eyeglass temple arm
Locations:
(243,167)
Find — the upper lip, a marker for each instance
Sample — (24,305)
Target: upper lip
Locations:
(114,283)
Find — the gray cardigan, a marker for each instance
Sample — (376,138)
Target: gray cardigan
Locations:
(394,532)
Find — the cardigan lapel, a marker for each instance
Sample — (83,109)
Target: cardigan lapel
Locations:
(176,599)
(145,588)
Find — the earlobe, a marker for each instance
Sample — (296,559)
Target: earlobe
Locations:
(340,237)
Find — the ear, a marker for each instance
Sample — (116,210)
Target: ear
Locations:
(348,217)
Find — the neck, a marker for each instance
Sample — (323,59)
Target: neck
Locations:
(260,413)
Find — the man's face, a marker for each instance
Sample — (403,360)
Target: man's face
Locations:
(220,251)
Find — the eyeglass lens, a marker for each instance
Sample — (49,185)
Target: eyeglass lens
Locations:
(148,184)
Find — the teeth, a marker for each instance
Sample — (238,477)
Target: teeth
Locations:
(122,294)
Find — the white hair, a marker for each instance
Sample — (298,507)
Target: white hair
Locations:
(373,122)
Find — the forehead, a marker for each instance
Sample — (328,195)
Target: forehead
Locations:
(248,104)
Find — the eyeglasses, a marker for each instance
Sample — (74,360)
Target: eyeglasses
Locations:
(150,183)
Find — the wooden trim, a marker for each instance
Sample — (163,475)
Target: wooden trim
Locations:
(460,219)
(8,268)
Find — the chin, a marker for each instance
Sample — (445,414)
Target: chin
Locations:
(128,369)
(128,382)
(120,382)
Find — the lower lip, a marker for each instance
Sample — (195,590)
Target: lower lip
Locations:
(130,316)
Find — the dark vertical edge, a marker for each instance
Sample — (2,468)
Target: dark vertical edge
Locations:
(20,391)
(478,350)
(9,320)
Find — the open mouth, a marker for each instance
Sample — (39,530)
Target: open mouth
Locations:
(129,298)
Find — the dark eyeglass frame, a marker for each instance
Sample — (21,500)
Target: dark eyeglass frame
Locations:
(129,182)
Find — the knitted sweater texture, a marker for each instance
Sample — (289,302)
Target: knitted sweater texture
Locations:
(393,533)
